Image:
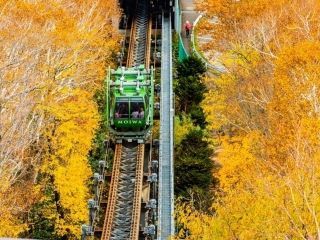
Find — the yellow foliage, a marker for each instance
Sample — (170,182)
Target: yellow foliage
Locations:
(193,224)
(53,60)
(236,157)
(237,99)
(14,203)
(182,126)
(259,201)
(266,108)
(76,119)
(10,225)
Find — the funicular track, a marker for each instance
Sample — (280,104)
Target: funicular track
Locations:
(139,47)
(134,201)
(123,209)
(122,216)
(140,177)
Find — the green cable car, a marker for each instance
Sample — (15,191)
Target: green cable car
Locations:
(130,95)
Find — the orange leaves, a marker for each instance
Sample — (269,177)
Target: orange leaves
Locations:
(76,118)
(237,159)
(263,24)
(15,201)
(53,59)
(235,18)
(266,107)
(238,97)
(194,224)
(294,108)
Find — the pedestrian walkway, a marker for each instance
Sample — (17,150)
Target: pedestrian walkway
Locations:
(166,195)
(189,13)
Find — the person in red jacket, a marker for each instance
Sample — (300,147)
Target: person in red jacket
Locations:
(187,27)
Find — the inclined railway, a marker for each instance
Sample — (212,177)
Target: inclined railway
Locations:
(124,201)
(135,200)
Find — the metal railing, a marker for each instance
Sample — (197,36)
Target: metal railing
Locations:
(166,196)
(195,51)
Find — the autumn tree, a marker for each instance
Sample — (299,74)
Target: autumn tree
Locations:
(53,60)
(265,108)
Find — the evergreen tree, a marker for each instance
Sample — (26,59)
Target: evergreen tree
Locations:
(190,88)
(193,166)
(191,66)
(190,91)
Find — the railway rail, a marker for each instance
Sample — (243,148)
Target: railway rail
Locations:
(106,232)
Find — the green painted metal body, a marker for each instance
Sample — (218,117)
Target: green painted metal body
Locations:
(130,94)
(182,51)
